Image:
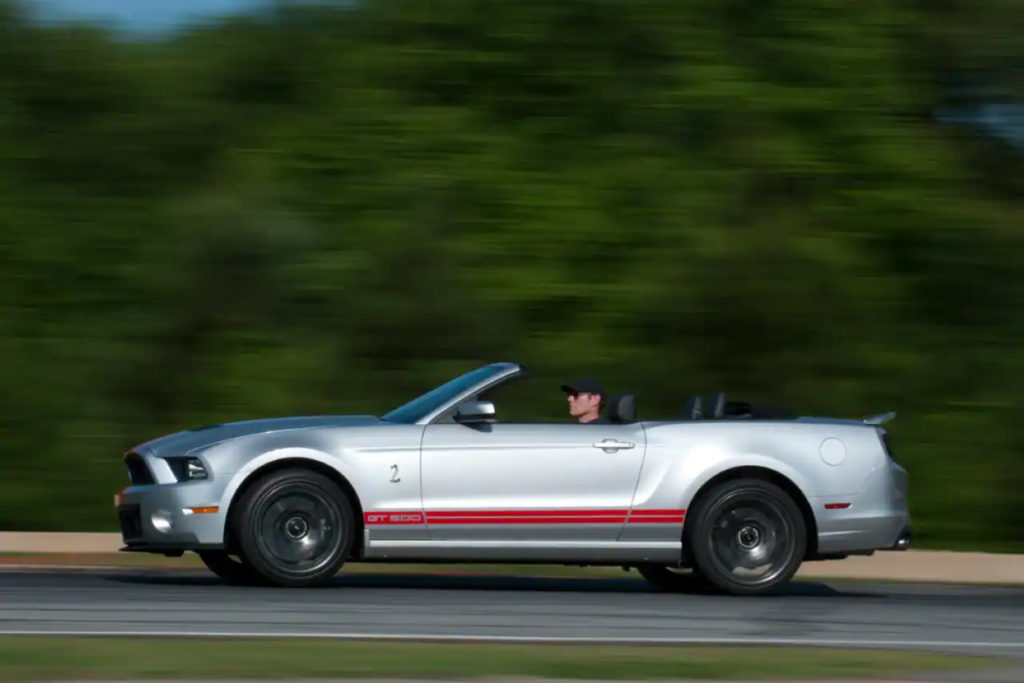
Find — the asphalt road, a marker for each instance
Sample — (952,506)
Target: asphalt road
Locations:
(139,601)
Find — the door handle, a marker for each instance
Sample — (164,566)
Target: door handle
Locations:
(613,445)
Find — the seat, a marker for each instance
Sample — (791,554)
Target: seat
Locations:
(714,406)
(621,408)
(692,407)
(738,409)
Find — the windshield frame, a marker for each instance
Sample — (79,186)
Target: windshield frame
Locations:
(427,406)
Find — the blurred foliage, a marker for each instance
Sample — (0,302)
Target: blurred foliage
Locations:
(331,209)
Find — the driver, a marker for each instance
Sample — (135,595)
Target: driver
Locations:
(586,399)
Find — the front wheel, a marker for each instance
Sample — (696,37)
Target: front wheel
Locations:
(295,527)
(747,537)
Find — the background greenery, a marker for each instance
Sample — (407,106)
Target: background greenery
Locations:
(331,209)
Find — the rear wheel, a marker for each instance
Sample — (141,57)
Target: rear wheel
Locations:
(231,571)
(747,536)
(295,527)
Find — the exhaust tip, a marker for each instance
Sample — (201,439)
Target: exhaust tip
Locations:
(903,542)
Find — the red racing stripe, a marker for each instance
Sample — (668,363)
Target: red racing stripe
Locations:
(657,513)
(587,519)
(550,516)
(673,516)
(556,516)
(656,520)
(523,513)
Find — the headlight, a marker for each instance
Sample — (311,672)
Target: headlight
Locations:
(188,469)
(195,469)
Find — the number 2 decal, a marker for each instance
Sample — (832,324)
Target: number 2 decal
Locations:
(394,474)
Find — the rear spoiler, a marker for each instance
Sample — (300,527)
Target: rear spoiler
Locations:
(879,419)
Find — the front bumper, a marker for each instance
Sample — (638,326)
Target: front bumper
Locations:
(167,518)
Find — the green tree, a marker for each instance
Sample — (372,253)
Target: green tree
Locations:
(329,209)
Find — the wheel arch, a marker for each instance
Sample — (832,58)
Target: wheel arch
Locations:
(297,462)
(765,474)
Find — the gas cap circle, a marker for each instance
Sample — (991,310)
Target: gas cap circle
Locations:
(833,451)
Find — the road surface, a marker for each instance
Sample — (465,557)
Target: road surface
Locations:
(138,601)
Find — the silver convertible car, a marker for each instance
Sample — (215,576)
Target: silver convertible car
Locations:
(724,493)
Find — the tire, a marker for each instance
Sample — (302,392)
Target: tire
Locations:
(747,537)
(295,527)
(231,571)
(673,580)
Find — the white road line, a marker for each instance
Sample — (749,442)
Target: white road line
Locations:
(813,642)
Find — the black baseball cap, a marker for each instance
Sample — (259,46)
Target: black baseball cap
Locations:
(584,386)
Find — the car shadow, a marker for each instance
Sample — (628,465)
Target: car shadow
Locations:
(486,582)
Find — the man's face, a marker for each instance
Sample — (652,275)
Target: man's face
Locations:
(583,403)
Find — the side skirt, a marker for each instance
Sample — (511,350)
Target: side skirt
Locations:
(611,552)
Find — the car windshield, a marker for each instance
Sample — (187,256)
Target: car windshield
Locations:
(430,401)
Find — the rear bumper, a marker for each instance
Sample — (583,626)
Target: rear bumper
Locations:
(876,519)
(903,541)
(856,532)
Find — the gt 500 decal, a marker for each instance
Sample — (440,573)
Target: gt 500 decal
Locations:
(377,518)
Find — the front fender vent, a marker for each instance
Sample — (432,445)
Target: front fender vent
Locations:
(138,471)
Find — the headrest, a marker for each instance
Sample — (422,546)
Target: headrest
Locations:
(691,409)
(622,408)
(714,406)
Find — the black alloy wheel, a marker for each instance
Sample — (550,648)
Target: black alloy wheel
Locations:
(747,537)
(295,527)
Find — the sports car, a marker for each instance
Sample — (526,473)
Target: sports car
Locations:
(729,494)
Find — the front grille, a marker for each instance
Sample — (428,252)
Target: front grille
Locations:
(131,521)
(138,472)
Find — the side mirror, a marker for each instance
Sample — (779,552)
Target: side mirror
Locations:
(474,411)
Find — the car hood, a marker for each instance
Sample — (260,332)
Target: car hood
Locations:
(180,443)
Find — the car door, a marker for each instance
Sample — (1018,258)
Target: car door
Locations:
(529,482)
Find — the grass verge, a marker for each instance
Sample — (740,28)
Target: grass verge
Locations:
(45,658)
